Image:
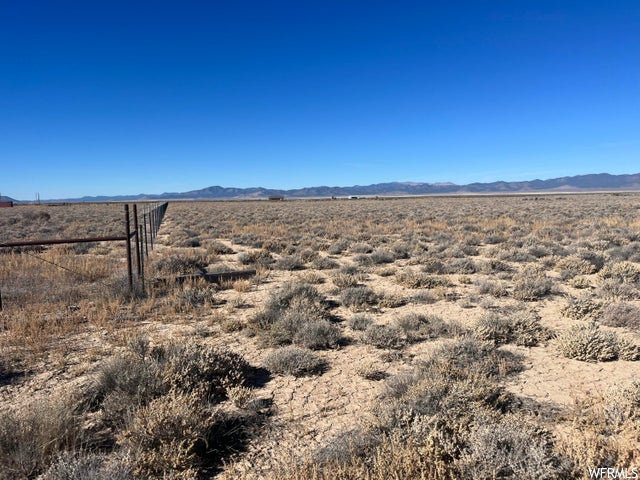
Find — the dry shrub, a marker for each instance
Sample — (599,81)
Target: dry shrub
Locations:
(338,247)
(359,322)
(588,343)
(209,370)
(165,435)
(433,266)
(290,263)
(508,448)
(32,436)
(580,282)
(294,361)
(297,314)
(345,280)
(575,264)
(422,423)
(231,325)
(415,279)
(361,248)
(324,263)
(616,290)
(386,271)
(88,466)
(178,264)
(134,379)
(531,285)
(419,327)
(300,297)
(389,458)
(317,335)
(256,257)
(381,256)
(193,296)
(218,248)
(624,272)
(490,287)
(312,278)
(582,308)
(384,336)
(391,300)
(461,266)
(621,314)
(370,372)
(242,286)
(359,298)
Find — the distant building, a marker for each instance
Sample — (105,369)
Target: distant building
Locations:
(276,197)
(6,204)
(353,197)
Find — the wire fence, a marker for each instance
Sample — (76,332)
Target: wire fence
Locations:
(139,236)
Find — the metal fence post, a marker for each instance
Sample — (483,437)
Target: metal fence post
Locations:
(137,229)
(144,229)
(128,234)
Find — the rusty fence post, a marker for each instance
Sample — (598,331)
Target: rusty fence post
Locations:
(137,229)
(128,235)
(144,229)
(151,228)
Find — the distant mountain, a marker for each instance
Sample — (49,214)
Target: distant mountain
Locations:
(578,183)
(4,198)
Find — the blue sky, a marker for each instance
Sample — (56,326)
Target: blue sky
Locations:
(115,97)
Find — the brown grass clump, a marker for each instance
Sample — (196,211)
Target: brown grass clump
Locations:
(605,430)
(31,437)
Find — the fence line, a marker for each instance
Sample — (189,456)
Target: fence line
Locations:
(152,218)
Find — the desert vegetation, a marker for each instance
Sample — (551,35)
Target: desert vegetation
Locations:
(440,337)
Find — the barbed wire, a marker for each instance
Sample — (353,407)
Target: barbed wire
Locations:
(75,272)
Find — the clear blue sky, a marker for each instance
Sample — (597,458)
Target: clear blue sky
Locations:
(111,97)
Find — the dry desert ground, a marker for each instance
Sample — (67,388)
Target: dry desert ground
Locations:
(474,337)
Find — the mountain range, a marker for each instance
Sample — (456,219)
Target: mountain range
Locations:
(578,183)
